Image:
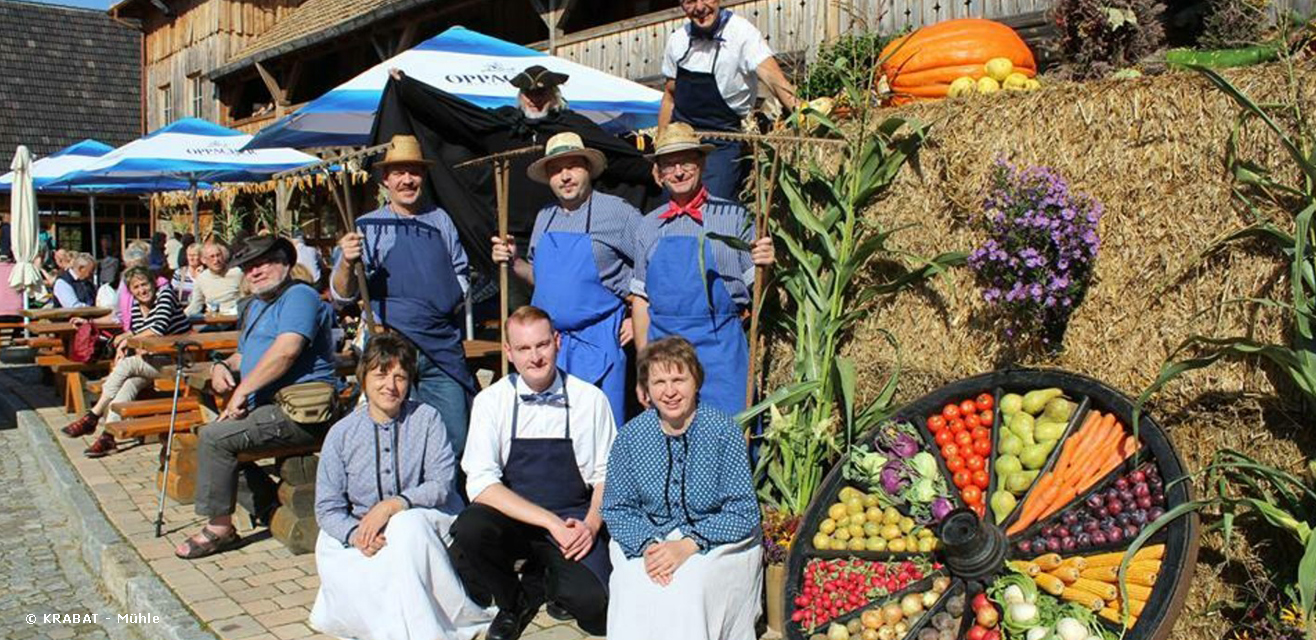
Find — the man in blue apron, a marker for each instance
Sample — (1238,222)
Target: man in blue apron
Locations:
(713,64)
(678,292)
(416,273)
(535,466)
(579,262)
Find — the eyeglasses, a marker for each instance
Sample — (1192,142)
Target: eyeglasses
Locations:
(668,169)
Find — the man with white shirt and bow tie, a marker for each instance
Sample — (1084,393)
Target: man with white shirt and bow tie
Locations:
(536,458)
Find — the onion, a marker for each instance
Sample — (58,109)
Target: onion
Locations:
(1013,594)
(1071,629)
(911,604)
(838,632)
(901,628)
(892,614)
(929,598)
(1023,612)
(940,584)
(1036,633)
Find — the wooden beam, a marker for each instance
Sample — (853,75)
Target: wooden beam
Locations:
(407,38)
(271,85)
(380,49)
(291,80)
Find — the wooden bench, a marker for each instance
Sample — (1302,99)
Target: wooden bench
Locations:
(154,406)
(155,425)
(41,342)
(69,376)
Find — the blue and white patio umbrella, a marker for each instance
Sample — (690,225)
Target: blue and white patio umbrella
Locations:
(469,65)
(190,150)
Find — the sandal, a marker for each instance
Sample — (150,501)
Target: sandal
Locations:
(214,543)
(103,446)
(84,426)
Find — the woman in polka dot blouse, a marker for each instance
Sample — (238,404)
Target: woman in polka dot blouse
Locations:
(680,506)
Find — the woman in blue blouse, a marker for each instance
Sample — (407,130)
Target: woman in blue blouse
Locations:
(680,506)
(384,500)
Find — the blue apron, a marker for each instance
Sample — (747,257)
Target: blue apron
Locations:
(586,313)
(414,290)
(705,315)
(698,102)
(544,471)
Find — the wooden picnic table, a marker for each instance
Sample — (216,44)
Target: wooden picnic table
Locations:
(212,319)
(205,341)
(65,314)
(60,328)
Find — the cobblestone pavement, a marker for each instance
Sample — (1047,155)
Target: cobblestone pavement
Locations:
(41,570)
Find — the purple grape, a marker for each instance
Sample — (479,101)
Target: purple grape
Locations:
(1130,505)
(1111,493)
(1069,544)
(1154,513)
(1121,484)
(1039,543)
(1070,518)
(1113,507)
(1158,498)
(1091,525)
(1144,502)
(1115,535)
(1047,531)
(1102,512)
(1131,531)
(1138,477)
(1126,495)
(1123,518)
(1053,544)
(1139,517)
(1095,501)
(1141,490)
(1107,523)
(1025,546)
(1083,539)
(1099,537)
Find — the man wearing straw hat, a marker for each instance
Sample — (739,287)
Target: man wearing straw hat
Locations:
(416,273)
(579,262)
(678,292)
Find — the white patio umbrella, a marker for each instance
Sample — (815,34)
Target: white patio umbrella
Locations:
(24,225)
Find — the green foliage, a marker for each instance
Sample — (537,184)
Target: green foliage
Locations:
(829,251)
(847,61)
(1259,187)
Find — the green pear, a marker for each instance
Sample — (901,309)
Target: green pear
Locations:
(1035,400)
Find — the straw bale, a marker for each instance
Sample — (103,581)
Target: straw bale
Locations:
(1152,150)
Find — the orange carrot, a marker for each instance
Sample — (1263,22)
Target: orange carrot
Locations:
(1128,446)
(1042,495)
(1106,439)
(1074,444)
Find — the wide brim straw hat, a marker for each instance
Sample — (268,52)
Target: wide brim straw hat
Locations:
(404,150)
(677,137)
(567,145)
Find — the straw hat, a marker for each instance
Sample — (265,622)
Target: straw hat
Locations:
(566,145)
(678,136)
(405,150)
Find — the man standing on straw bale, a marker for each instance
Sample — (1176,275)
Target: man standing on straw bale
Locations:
(416,271)
(713,64)
(579,262)
(689,282)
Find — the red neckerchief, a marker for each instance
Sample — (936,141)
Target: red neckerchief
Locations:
(694,208)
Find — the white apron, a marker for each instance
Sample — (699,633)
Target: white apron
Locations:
(713,596)
(407,591)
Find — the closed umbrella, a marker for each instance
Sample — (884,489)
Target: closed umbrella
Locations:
(23,223)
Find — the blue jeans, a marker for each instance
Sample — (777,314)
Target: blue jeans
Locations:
(439,390)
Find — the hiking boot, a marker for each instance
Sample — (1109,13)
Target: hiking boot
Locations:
(103,446)
(84,426)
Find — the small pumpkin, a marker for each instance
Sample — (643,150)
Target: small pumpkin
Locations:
(925,62)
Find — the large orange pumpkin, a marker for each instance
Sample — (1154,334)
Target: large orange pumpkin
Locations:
(925,62)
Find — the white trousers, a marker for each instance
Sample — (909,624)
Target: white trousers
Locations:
(127,379)
(712,596)
(407,591)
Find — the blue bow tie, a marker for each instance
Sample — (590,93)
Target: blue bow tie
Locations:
(543,397)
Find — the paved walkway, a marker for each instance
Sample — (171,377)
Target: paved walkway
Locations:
(259,592)
(41,573)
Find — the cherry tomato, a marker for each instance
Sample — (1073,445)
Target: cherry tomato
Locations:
(982,433)
(964,439)
(987,418)
(950,411)
(974,462)
(936,423)
(944,437)
(971,494)
(949,451)
(968,407)
(980,479)
(972,422)
(982,448)
(956,425)
(962,479)
(955,464)
(984,402)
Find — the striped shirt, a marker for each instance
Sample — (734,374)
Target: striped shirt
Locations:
(723,217)
(165,316)
(612,225)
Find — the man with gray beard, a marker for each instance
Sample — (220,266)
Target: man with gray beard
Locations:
(285,340)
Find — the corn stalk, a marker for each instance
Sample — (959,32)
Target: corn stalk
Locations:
(830,248)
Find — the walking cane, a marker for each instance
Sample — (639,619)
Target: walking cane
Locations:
(182,346)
